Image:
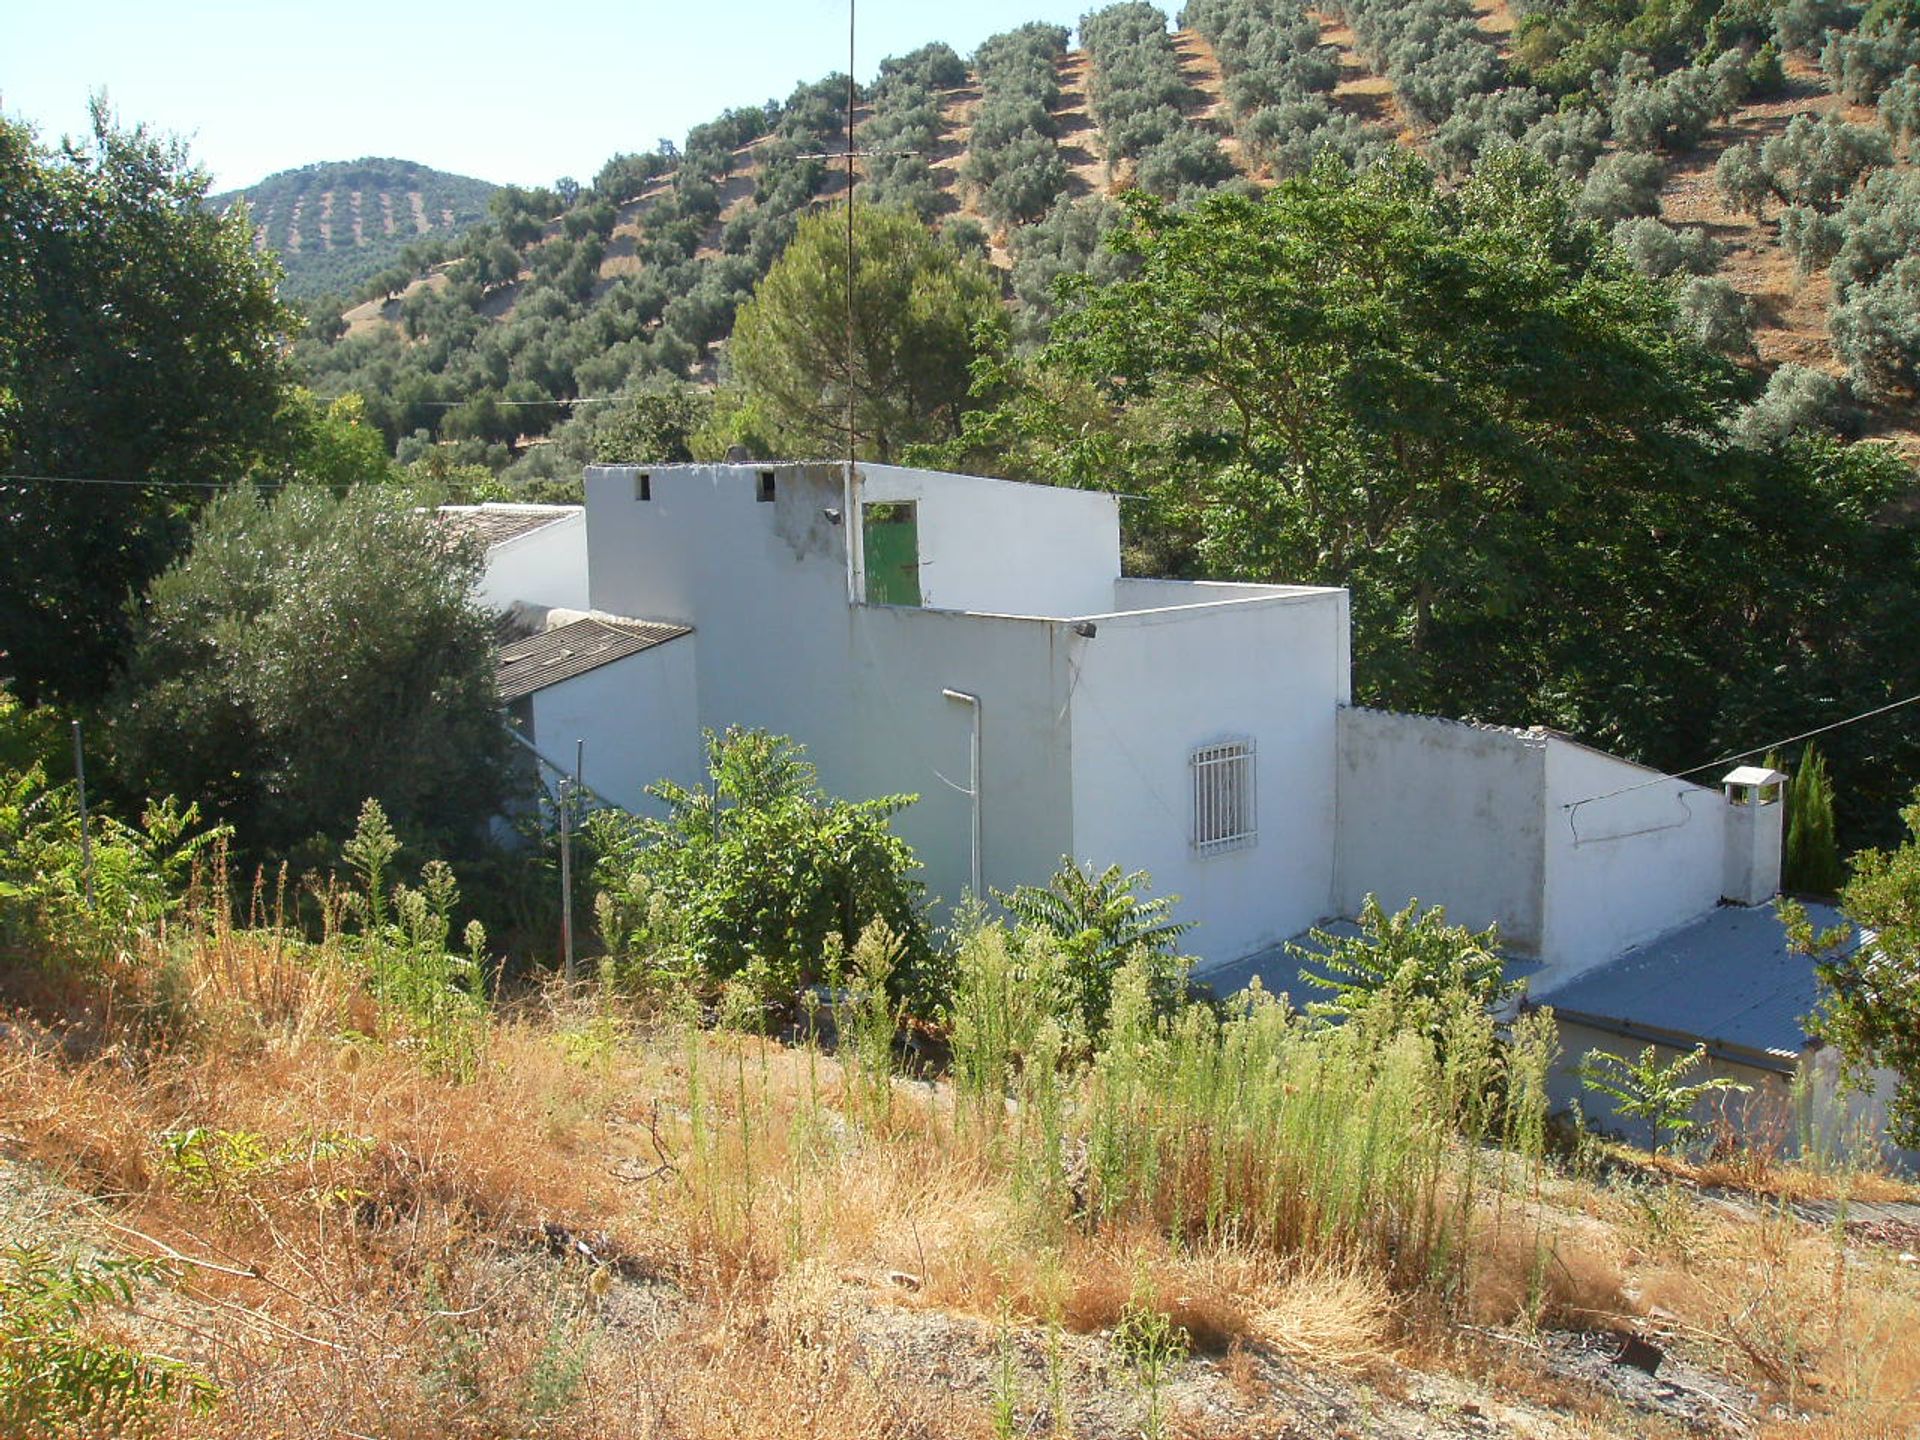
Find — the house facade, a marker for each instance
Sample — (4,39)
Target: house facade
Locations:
(973,642)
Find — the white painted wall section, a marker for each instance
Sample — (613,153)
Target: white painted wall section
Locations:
(1149,688)
(1626,859)
(909,737)
(546,567)
(1006,548)
(1446,813)
(638,717)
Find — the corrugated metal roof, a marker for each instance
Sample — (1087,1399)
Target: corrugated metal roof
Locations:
(569,650)
(496,522)
(1726,977)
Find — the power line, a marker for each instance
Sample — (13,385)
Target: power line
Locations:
(148,484)
(1750,750)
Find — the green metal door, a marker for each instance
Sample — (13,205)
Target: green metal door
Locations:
(892,550)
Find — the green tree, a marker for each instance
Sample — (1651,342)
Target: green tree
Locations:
(1467,406)
(1811,864)
(309,652)
(1411,960)
(917,308)
(1644,1089)
(1870,972)
(1100,922)
(140,352)
(759,868)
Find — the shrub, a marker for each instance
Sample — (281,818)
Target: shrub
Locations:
(1742,179)
(1717,314)
(1405,965)
(758,867)
(420,983)
(1290,139)
(1660,250)
(1861,65)
(1100,923)
(310,651)
(1647,1090)
(1186,158)
(1876,331)
(77,901)
(1569,140)
(1624,184)
(1816,162)
(1796,399)
(1812,862)
(56,1377)
(1666,113)
(1900,107)
(1482,122)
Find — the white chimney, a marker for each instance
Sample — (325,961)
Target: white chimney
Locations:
(1755,820)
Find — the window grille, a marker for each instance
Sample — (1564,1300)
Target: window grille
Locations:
(1223,794)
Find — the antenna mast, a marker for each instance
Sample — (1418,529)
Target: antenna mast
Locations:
(852,96)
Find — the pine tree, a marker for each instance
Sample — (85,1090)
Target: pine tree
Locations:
(1812,862)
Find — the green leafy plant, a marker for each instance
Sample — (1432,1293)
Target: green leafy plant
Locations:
(58,1377)
(1870,972)
(759,863)
(1100,921)
(1154,1349)
(1645,1089)
(1411,962)
(436,993)
(79,899)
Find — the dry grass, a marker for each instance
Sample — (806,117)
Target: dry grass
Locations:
(623,1228)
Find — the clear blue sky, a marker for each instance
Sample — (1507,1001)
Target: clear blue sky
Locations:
(516,94)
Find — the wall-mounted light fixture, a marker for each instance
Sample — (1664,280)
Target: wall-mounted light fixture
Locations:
(832,514)
(1085,629)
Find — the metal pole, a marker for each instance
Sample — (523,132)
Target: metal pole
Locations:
(852,342)
(86,838)
(566,878)
(973,784)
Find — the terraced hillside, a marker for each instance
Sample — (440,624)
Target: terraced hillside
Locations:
(336,225)
(1019,148)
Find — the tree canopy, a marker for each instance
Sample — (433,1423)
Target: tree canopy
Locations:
(1467,405)
(917,306)
(310,652)
(139,353)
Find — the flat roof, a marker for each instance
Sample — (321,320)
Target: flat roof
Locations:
(573,649)
(1727,977)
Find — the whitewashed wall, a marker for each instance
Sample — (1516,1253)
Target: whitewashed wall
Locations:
(1633,861)
(1001,547)
(546,567)
(764,585)
(640,720)
(907,736)
(1153,685)
(1446,813)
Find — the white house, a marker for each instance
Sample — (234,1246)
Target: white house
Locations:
(536,554)
(972,641)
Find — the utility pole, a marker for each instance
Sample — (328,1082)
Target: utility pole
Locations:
(566,879)
(86,838)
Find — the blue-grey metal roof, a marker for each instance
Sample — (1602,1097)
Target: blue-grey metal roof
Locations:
(1282,971)
(1727,977)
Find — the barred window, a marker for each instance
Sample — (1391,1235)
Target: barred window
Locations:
(1223,809)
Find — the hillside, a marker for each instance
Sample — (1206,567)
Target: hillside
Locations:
(285,1203)
(336,225)
(650,263)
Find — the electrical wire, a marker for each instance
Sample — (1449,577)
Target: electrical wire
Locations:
(1668,778)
